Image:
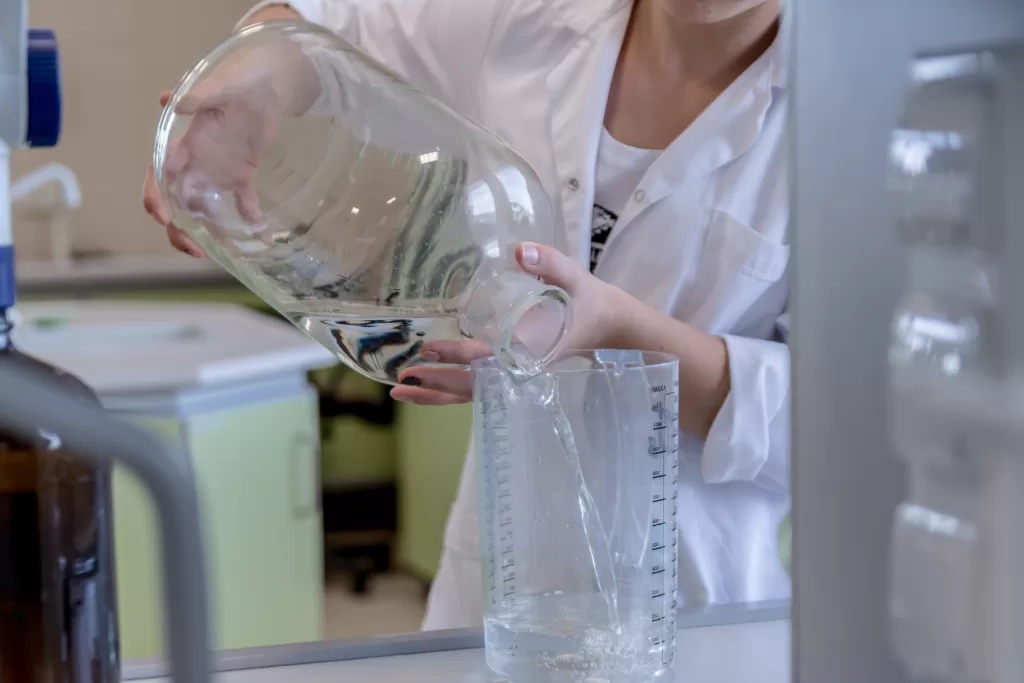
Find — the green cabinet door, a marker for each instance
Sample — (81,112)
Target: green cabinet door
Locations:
(432,445)
(137,552)
(259,492)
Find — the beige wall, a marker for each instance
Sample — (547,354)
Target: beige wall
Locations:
(117,55)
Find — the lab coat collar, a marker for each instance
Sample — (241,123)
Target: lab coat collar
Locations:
(725,130)
(730,127)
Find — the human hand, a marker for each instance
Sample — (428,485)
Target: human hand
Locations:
(595,306)
(235,112)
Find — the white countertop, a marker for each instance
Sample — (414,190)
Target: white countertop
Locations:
(738,653)
(130,348)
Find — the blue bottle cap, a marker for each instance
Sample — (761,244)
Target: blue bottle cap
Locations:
(44,96)
(7,286)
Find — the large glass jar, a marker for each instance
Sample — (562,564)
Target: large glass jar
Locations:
(944,340)
(365,211)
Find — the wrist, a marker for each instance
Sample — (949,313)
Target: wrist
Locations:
(290,72)
(616,319)
(296,80)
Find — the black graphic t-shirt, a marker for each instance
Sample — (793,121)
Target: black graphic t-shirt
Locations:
(600,228)
(617,178)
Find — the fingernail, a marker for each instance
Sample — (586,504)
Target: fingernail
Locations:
(431,356)
(412,381)
(531,255)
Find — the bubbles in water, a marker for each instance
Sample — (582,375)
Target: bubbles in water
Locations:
(568,639)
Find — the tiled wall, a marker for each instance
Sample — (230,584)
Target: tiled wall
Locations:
(117,56)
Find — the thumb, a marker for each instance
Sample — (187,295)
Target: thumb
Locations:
(549,264)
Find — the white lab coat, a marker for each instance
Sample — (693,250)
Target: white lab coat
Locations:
(704,240)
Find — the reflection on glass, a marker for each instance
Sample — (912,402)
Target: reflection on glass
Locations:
(941,335)
(936,171)
(937,326)
(936,151)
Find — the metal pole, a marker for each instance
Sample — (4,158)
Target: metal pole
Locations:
(30,404)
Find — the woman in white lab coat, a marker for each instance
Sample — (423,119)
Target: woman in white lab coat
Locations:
(657,127)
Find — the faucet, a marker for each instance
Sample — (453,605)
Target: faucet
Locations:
(71,198)
(44,175)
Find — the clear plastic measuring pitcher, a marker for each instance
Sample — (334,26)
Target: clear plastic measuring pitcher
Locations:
(365,211)
(577,477)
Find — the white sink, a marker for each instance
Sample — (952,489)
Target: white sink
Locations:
(130,347)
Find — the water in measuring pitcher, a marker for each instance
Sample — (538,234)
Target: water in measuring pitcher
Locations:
(560,633)
(605,635)
(542,388)
(598,547)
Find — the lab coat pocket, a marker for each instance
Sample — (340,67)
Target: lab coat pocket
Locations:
(740,285)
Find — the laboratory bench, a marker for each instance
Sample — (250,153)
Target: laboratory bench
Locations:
(98,276)
(731,644)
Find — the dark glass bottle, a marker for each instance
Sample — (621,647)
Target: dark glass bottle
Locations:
(58,607)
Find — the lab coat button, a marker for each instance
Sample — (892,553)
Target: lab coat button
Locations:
(574,184)
(639,195)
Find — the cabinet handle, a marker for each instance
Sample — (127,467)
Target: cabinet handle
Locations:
(305,484)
